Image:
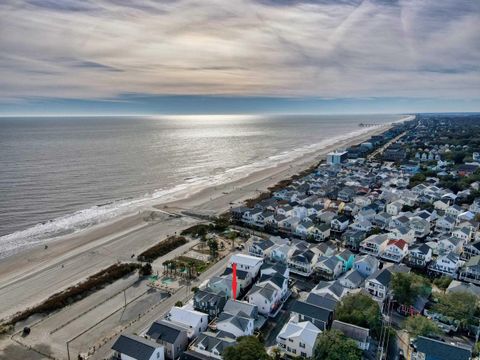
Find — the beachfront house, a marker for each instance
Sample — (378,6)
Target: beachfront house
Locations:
(172,337)
(133,347)
(194,321)
(374,244)
(446,265)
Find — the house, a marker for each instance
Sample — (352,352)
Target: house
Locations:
(329,267)
(260,247)
(445,223)
(339,223)
(431,349)
(463,233)
(334,290)
(395,250)
(366,265)
(172,337)
(301,261)
(223,284)
(132,347)
(239,324)
(194,321)
(352,279)
(450,244)
(446,265)
(362,225)
(353,238)
(454,210)
(442,204)
(381,220)
(470,250)
(238,318)
(319,232)
(298,339)
(419,255)
(209,303)
(248,263)
(395,207)
(378,284)
(337,157)
(347,258)
(210,345)
(374,244)
(359,334)
(402,232)
(420,226)
(319,316)
(267,294)
(462,287)
(470,272)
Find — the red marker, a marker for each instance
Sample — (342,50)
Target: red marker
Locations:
(234,281)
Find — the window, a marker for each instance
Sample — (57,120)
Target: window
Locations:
(302,345)
(303,354)
(290,340)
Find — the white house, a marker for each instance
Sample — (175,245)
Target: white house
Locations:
(248,263)
(446,265)
(298,339)
(132,347)
(378,284)
(353,279)
(374,244)
(395,207)
(395,250)
(194,321)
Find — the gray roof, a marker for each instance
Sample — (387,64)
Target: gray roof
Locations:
(442,351)
(321,301)
(165,331)
(135,346)
(234,307)
(240,320)
(383,276)
(355,277)
(264,245)
(352,331)
(219,341)
(312,311)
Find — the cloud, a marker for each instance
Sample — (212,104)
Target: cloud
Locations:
(331,49)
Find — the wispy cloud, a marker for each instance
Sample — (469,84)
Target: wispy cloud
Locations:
(332,49)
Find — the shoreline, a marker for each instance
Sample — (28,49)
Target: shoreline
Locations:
(115,240)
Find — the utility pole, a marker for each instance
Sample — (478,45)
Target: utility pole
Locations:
(68,351)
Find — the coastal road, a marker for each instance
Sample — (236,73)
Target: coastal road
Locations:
(37,286)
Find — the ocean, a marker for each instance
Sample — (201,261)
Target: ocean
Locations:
(62,174)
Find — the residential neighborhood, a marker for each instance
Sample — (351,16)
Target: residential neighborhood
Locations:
(356,229)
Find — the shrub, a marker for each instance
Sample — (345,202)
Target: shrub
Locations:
(162,248)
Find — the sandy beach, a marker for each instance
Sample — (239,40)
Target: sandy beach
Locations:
(30,276)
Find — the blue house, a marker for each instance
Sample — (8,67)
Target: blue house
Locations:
(347,258)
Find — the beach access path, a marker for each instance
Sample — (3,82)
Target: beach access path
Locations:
(33,275)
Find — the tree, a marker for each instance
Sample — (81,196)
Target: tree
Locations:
(145,270)
(407,287)
(179,303)
(460,306)
(443,282)
(213,245)
(421,326)
(247,348)
(333,345)
(361,310)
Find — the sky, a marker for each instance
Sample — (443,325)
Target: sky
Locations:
(238,56)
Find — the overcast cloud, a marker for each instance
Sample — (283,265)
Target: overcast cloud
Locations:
(329,49)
